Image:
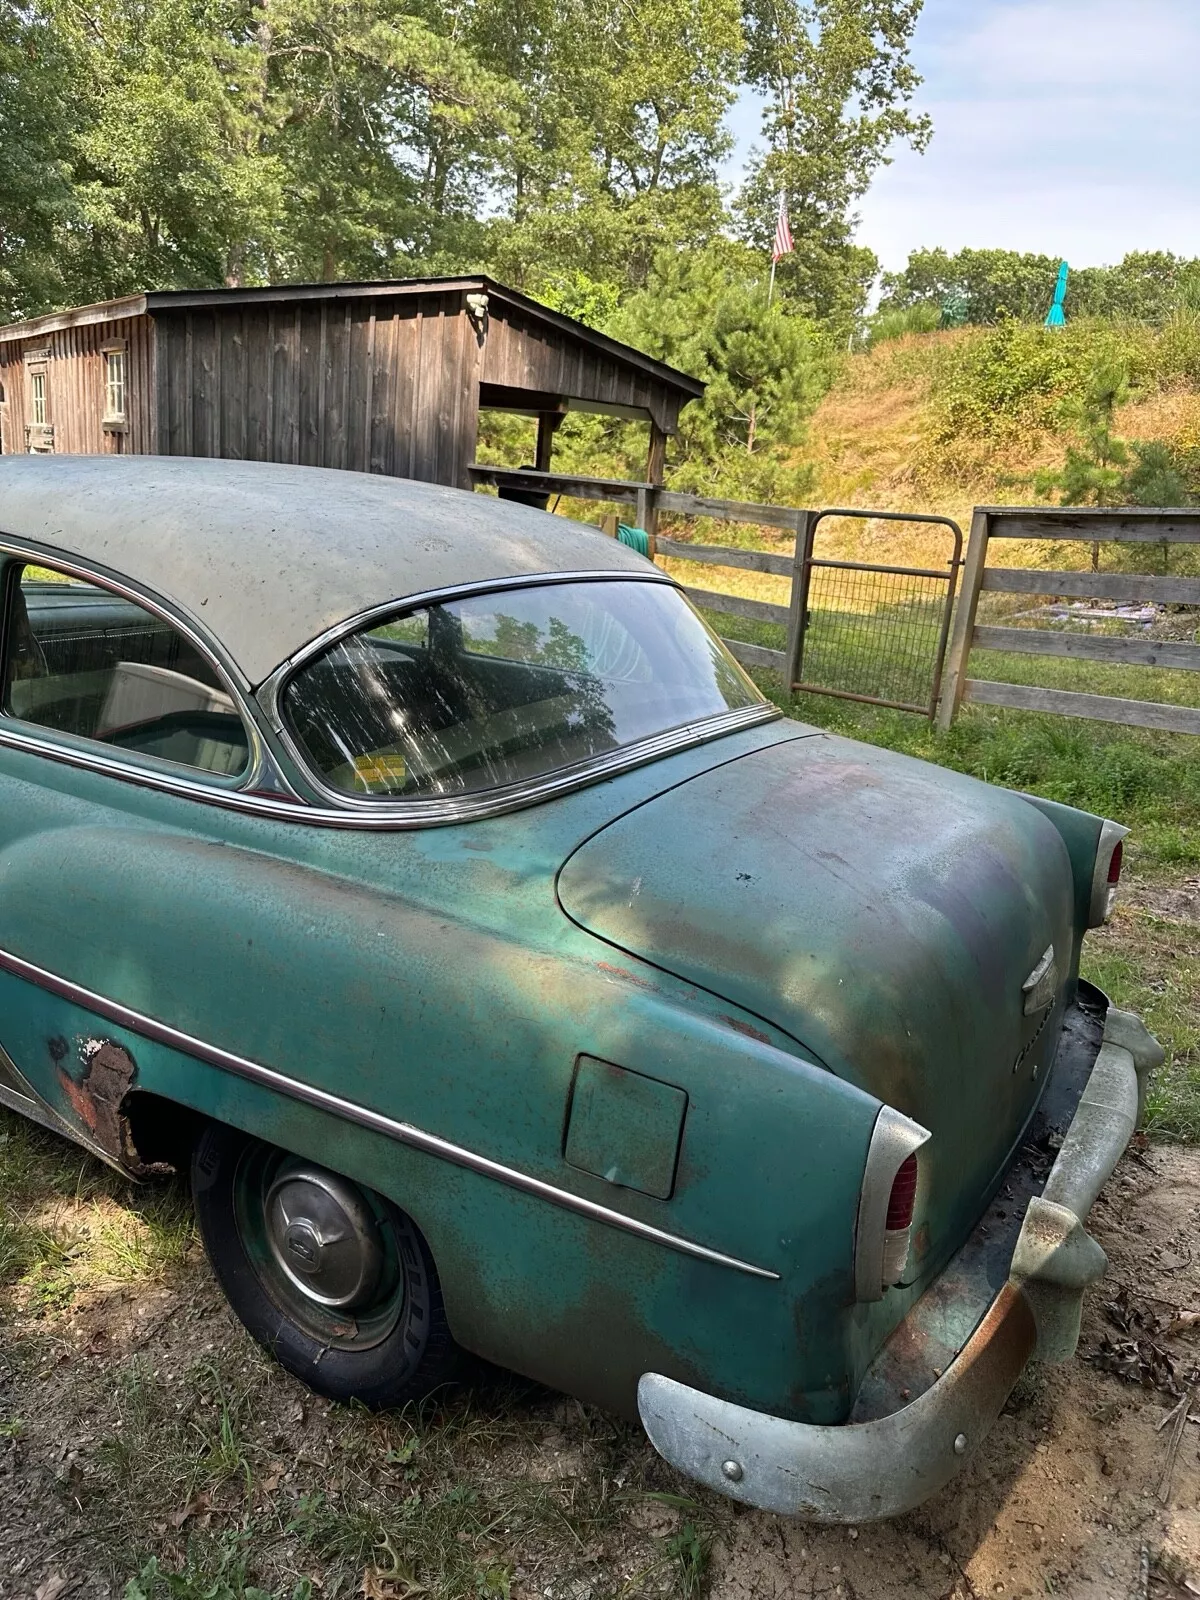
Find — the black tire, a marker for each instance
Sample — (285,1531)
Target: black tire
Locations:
(402,1356)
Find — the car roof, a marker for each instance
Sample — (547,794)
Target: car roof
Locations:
(267,557)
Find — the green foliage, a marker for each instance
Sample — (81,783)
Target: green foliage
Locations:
(36,124)
(837,83)
(765,367)
(219,1573)
(923,316)
(1093,473)
(1147,286)
(1160,475)
(1012,380)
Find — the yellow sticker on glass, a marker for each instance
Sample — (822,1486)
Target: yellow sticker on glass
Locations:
(380,770)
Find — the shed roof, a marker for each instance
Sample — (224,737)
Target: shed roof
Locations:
(167,300)
(267,557)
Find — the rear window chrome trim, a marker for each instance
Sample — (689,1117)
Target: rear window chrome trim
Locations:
(414,813)
(419,813)
(271,689)
(340,810)
(407,1133)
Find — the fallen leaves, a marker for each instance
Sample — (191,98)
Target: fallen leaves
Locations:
(51,1588)
(1141,1358)
(377,1584)
(198,1506)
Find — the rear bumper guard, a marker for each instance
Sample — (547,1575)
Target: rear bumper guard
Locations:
(858,1471)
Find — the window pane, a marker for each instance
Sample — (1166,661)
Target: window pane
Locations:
(501,688)
(114,385)
(37,390)
(85,661)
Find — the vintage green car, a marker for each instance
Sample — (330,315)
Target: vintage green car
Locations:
(421,873)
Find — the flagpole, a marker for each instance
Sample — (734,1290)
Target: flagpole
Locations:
(771,281)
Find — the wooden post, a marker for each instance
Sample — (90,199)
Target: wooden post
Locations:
(798,610)
(656,464)
(955,676)
(549,423)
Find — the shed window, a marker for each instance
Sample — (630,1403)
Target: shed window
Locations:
(114,386)
(37,398)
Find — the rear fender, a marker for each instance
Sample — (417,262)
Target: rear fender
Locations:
(474,1038)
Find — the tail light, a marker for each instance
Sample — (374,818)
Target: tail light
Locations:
(887,1203)
(1106,874)
(901,1204)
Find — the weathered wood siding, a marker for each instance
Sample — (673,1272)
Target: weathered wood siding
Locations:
(521,353)
(75,388)
(373,385)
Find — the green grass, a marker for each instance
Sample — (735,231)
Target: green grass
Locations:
(68,1224)
(1150,964)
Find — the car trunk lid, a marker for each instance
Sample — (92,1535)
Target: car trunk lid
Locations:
(885,913)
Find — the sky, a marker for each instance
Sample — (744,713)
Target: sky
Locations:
(1066,127)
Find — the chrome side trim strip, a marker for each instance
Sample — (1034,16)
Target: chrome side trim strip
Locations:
(414,813)
(403,1132)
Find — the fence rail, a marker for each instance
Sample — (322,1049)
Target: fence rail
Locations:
(1130,525)
(879,633)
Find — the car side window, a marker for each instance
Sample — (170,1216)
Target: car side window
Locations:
(85,661)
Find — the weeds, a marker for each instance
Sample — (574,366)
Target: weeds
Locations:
(213,1571)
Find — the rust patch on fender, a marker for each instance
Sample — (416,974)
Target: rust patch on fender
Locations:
(630,977)
(744,1027)
(97,1097)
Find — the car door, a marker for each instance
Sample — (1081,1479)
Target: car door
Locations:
(98,684)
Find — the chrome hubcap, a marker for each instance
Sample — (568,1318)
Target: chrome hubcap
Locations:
(324,1236)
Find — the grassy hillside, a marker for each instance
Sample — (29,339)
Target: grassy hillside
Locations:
(941,422)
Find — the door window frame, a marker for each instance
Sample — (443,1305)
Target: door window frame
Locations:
(78,750)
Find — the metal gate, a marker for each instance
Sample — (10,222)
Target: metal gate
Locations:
(872,632)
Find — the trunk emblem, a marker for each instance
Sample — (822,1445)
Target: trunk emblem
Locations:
(1041,986)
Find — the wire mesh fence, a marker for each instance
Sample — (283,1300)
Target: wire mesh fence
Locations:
(875,632)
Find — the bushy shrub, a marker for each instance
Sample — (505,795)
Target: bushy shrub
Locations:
(895,322)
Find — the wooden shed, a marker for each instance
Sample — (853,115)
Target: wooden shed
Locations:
(376,377)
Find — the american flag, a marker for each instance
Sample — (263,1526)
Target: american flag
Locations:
(783,234)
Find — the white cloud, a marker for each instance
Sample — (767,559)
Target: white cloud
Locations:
(1099,44)
(1064,126)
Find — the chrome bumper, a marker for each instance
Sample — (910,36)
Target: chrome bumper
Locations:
(866,1469)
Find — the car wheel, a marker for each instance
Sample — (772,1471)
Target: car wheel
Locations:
(335,1281)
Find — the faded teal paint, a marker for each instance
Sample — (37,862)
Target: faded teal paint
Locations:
(432,976)
(882,911)
(801,904)
(625,1127)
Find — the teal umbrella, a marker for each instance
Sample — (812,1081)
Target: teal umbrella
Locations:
(1054,317)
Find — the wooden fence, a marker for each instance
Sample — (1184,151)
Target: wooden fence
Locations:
(647,502)
(1126,525)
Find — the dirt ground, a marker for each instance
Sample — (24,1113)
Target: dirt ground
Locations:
(140,1422)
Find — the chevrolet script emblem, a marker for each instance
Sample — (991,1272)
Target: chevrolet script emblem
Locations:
(1041,985)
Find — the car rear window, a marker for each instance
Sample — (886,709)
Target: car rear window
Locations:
(502,688)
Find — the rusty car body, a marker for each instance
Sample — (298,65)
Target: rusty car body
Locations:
(419,873)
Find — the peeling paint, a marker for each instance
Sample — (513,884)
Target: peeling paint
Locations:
(97,1098)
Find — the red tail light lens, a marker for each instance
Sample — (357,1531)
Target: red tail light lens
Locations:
(903,1198)
(901,1204)
(1114,864)
(1106,874)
